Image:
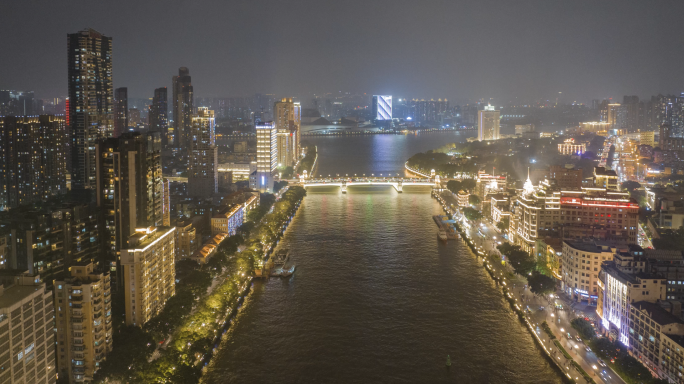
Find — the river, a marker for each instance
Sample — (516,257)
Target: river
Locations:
(376,297)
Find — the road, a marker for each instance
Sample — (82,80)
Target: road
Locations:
(486,236)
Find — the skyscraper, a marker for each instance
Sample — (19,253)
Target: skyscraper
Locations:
(267,156)
(183,108)
(32,159)
(120,111)
(612,117)
(203,163)
(488,124)
(89,55)
(287,121)
(158,117)
(130,187)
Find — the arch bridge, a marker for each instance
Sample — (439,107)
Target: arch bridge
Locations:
(343,182)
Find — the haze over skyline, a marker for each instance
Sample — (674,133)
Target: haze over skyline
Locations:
(485,49)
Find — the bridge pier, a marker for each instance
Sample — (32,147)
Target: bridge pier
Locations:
(344,186)
(398,186)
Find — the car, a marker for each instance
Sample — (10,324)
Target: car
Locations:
(569,336)
(578,338)
(587,348)
(601,363)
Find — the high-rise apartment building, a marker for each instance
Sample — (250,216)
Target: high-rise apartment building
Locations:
(149,273)
(17,103)
(669,143)
(32,159)
(48,240)
(91,98)
(131,188)
(267,156)
(488,124)
(26,330)
(120,111)
(158,116)
(183,108)
(83,321)
(287,121)
(203,163)
(427,111)
(613,112)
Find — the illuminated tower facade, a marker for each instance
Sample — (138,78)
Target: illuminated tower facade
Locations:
(288,118)
(183,107)
(91,99)
(488,124)
(203,164)
(267,156)
(158,117)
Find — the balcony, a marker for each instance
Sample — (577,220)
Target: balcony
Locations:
(77,320)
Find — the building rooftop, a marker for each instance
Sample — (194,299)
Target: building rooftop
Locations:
(17,293)
(657,313)
(144,237)
(593,246)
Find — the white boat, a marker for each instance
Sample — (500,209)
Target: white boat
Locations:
(442,235)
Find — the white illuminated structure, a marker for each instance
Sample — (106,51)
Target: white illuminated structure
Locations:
(267,155)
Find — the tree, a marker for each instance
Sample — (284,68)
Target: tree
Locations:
(453,185)
(541,284)
(522,262)
(670,240)
(278,185)
(584,328)
(473,200)
(630,186)
(468,184)
(504,224)
(472,214)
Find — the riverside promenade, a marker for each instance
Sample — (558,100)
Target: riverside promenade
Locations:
(570,356)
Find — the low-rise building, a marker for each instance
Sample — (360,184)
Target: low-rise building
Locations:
(570,147)
(606,178)
(209,248)
(581,266)
(228,219)
(624,281)
(27,337)
(656,337)
(83,322)
(148,266)
(463,197)
(186,239)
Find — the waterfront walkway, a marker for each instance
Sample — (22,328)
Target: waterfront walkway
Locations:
(485,237)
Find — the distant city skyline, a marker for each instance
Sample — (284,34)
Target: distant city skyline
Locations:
(531,50)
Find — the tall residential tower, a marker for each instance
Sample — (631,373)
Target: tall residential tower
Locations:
(158,117)
(203,164)
(288,117)
(183,107)
(91,98)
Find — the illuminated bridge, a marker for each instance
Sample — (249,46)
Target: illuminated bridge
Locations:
(344,182)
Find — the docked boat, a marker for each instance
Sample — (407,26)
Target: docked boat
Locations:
(281,257)
(288,272)
(442,235)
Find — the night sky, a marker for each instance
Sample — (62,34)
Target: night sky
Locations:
(454,49)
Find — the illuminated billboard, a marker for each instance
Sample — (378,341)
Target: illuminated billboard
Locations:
(382,107)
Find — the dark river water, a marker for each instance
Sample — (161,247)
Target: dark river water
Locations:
(376,298)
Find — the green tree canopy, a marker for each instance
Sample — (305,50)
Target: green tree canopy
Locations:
(541,284)
(472,214)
